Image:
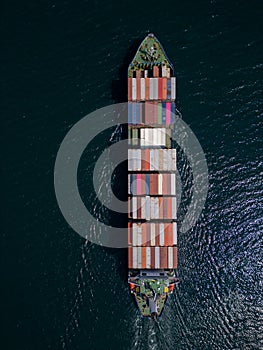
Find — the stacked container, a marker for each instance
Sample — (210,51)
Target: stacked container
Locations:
(152,218)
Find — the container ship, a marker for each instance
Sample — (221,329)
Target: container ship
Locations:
(152,213)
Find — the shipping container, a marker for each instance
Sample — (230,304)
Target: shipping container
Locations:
(169,88)
(159,113)
(152,257)
(168,113)
(155,71)
(164,89)
(130,258)
(129,89)
(155,88)
(142,89)
(134,89)
(138,88)
(173,88)
(164,72)
(160,88)
(151,88)
(147,89)
(172,113)
(138,74)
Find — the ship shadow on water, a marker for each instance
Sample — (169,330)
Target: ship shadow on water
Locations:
(119,93)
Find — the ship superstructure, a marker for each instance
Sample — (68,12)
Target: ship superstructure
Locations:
(152,214)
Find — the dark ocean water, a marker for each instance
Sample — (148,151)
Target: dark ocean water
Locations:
(60,60)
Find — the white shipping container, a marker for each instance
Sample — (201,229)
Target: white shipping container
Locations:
(134,208)
(174,158)
(155,136)
(138,159)
(142,137)
(157,206)
(157,257)
(156,159)
(151,88)
(152,234)
(143,89)
(170,257)
(174,211)
(143,211)
(152,208)
(161,234)
(160,184)
(147,208)
(139,249)
(152,159)
(173,88)
(134,258)
(162,133)
(155,88)
(139,235)
(175,233)
(129,160)
(164,159)
(148,257)
(134,234)
(146,73)
(173,184)
(134,89)
(164,72)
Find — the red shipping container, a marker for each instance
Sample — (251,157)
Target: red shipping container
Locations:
(168,184)
(139,210)
(163,257)
(154,184)
(168,235)
(129,233)
(143,257)
(129,89)
(155,112)
(160,88)
(138,88)
(147,89)
(130,265)
(147,156)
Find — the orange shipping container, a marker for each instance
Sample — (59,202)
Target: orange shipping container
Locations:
(147,89)
(168,234)
(164,97)
(155,71)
